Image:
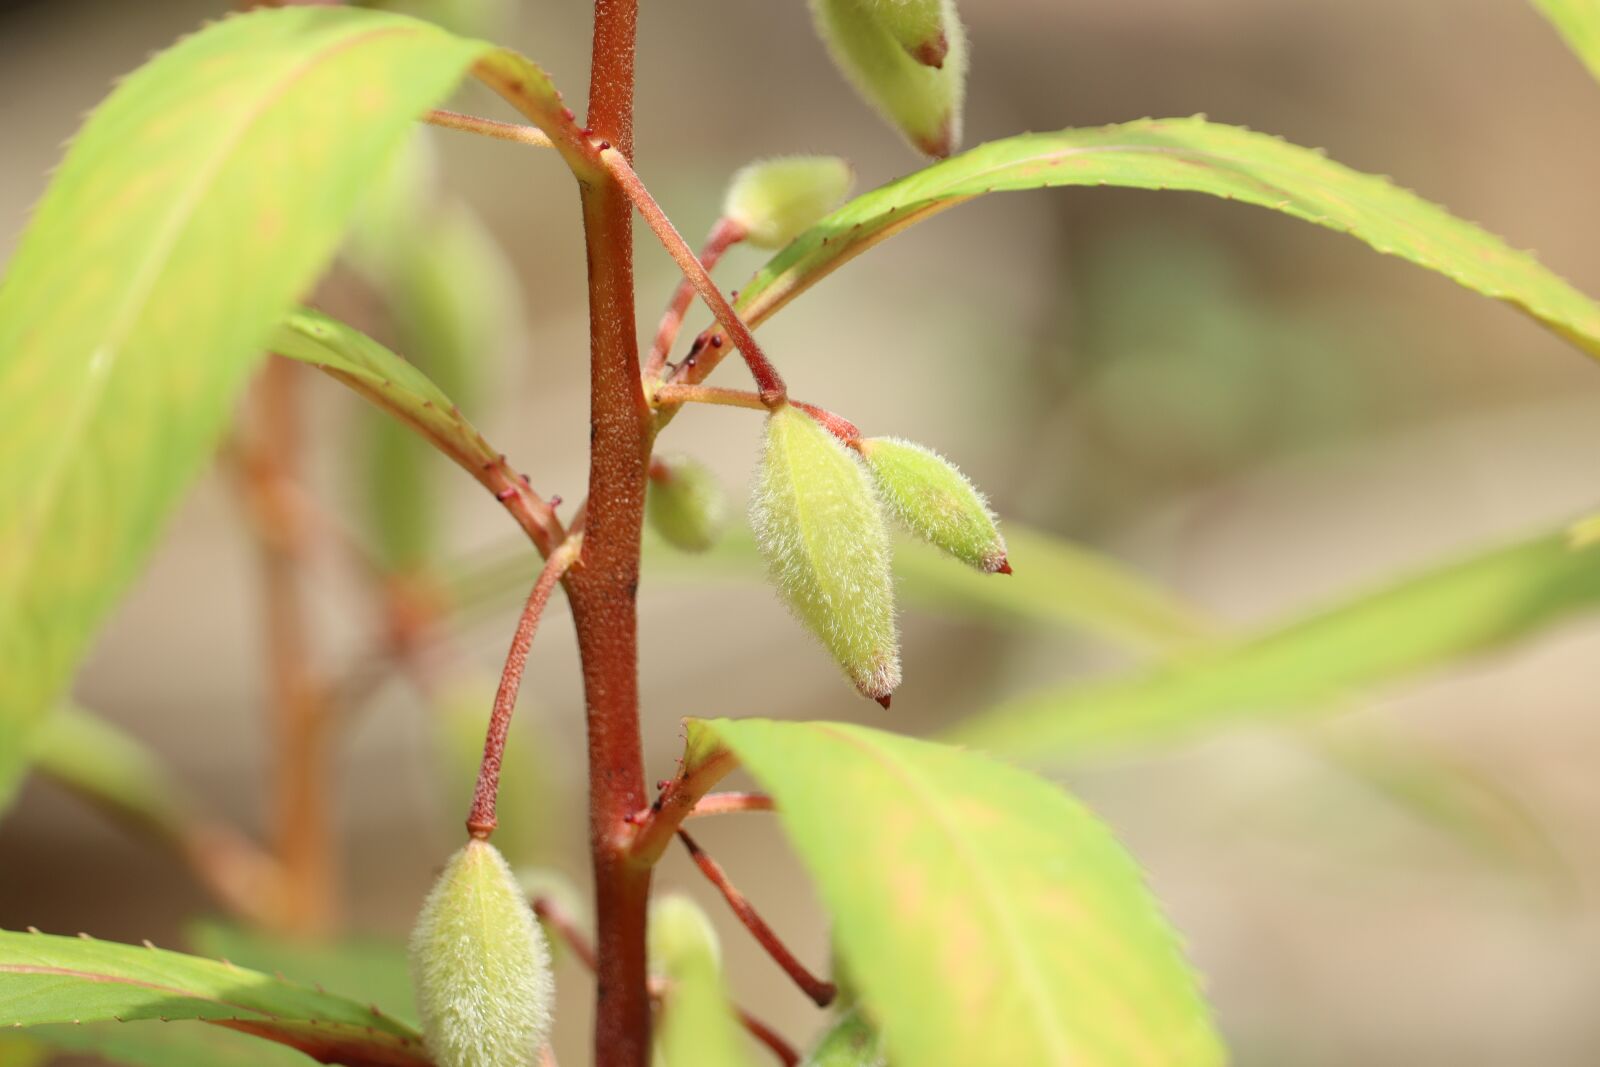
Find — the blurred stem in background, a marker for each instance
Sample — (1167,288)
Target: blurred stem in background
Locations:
(298,696)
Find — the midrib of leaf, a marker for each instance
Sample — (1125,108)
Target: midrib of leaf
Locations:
(112,979)
(888,211)
(149,273)
(989,893)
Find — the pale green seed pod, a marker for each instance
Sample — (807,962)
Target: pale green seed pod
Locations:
(681,936)
(923,102)
(480,966)
(921,26)
(696,1026)
(935,501)
(850,1042)
(686,504)
(775,200)
(821,531)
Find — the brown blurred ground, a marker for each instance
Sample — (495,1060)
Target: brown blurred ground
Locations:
(1253,411)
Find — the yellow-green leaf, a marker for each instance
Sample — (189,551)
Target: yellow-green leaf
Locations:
(1485,602)
(984,915)
(197,203)
(1578,22)
(1198,156)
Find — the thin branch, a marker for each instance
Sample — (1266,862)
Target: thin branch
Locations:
(674,394)
(481,820)
(653,828)
(730,804)
(724,235)
(786,1053)
(566,928)
(500,131)
(716,804)
(768,380)
(707,394)
(820,991)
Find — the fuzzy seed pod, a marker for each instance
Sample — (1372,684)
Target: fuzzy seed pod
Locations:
(480,966)
(686,504)
(935,501)
(775,200)
(921,26)
(923,102)
(821,531)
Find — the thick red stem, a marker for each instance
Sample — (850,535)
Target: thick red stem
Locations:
(602,589)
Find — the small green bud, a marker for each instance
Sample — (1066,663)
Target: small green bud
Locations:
(686,504)
(480,965)
(923,102)
(850,1042)
(821,531)
(775,200)
(935,501)
(921,26)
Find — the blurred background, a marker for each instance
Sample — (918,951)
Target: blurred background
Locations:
(1255,413)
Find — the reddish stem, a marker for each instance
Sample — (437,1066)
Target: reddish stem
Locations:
(724,235)
(672,395)
(602,592)
(714,804)
(481,820)
(769,1037)
(655,827)
(768,380)
(730,804)
(500,131)
(821,992)
(303,833)
(566,928)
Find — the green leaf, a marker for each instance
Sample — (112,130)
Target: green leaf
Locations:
(1578,22)
(386,380)
(984,914)
(48,979)
(197,203)
(159,1046)
(1451,798)
(369,970)
(1198,156)
(697,1027)
(850,1042)
(1481,603)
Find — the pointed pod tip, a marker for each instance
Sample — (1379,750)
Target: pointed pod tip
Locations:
(1004,568)
(932,52)
(884,700)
